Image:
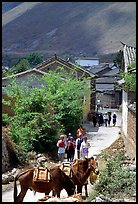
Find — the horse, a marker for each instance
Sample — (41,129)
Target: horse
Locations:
(58,181)
(79,171)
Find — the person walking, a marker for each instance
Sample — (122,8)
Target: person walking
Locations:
(80,131)
(100,119)
(114,118)
(84,148)
(70,149)
(61,148)
(109,118)
(105,117)
(94,120)
(78,142)
(66,144)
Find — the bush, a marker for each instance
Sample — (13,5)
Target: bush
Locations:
(115,181)
(44,112)
(5,119)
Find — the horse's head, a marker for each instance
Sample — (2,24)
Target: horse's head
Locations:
(93,164)
(80,165)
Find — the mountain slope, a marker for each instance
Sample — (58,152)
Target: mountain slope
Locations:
(68,28)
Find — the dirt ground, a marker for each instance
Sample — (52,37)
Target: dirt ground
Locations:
(116,148)
(112,151)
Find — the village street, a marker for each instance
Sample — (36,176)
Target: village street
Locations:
(102,137)
(99,139)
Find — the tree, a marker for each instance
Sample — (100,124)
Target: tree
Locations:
(26,63)
(21,66)
(118,58)
(129,78)
(35,58)
(41,114)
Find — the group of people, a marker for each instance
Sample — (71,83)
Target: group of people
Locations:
(79,148)
(105,118)
(75,149)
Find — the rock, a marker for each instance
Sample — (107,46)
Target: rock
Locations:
(132,167)
(69,199)
(65,199)
(118,200)
(98,199)
(129,200)
(134,195)
(13,171)
(5,179)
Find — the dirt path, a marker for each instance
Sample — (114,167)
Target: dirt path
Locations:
(100,138)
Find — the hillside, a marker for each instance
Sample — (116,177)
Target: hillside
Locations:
(67,28)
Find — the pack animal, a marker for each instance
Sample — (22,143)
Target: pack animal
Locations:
(80,172)
(58,181)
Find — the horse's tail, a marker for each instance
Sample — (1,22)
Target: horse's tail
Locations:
(15,189)
(15,186)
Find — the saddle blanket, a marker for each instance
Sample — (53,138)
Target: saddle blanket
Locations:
(41,174)
(66,167)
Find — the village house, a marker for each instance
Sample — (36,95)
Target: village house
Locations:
(87,61)
(105,82)
(52,64)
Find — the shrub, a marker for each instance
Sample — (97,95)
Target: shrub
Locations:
(115,181)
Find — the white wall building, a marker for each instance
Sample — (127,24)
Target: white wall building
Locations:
(87,62)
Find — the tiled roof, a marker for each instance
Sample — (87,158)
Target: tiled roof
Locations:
(25,72)
(64,62)
(106,80)
(113,72)
(104,87)
(97,68)
(129,54)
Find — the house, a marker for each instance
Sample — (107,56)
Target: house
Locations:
(33,74)
(129,104)
(56,61)
(87,61)
(105,84)
(52,64)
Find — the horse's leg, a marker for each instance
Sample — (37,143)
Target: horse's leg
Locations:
(53,193)
(79,189)
(58,193)
(86,191)
(21,195)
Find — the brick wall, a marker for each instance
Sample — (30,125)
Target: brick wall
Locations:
(130,138)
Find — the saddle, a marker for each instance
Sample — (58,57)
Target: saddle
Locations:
(41,174)
(66,168)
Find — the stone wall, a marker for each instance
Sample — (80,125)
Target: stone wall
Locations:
(130,138)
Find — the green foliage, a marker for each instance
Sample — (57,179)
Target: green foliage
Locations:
(130,81)
(115,180)
(132,65)
(118,57)
(41,114)
(28,62)
(5,119)
(34,59)
(21,66)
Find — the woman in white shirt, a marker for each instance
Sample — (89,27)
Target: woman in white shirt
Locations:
(61,148)
(84,148)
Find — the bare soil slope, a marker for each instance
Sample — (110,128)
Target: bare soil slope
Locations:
(68,28)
